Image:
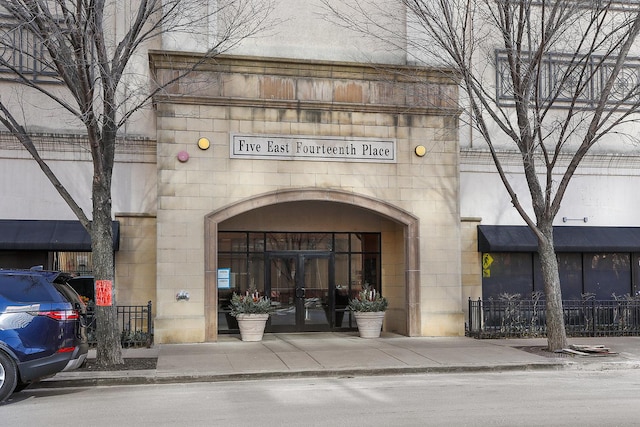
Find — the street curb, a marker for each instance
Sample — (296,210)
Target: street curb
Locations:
(135,379)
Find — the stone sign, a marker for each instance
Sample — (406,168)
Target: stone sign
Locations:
(315,148)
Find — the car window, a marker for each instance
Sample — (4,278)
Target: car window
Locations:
(83,285)
(24,288)
(69,293)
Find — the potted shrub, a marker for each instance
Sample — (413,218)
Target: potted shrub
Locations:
(369,308)
(252,312)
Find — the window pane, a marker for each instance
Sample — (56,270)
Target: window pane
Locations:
(371,242)
(357,278)
(276,241)
(606,274)
(342,242)
(342,271)
(636,274)
(356,242)
(538,283)
(299,241)
(256,242)
(365,242)
(232,241)
(570,268)
(256,272)
(237,283)
(25,288)
(370,273)
(509,273)
(238,277)
(318,242)
(341,300)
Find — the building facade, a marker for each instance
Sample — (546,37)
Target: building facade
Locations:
(307,169)
(306,164)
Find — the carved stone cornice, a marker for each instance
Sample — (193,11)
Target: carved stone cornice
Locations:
(244,81)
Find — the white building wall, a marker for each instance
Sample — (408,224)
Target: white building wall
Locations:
(306,30)
(28,194)
(603,190)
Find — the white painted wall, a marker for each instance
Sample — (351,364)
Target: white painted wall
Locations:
(607,196)
(304,30)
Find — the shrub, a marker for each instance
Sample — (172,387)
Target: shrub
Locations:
(250,303)
(368,300)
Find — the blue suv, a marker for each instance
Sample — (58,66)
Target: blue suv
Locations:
(42,327)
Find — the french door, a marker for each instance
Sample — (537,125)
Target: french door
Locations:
(301,287)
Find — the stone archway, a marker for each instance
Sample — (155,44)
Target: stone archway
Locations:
(409,223)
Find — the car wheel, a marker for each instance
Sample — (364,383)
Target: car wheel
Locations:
(8,376)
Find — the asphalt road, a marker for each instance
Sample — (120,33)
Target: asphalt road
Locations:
(537,398)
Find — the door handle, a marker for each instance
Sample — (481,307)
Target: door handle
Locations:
(300,293)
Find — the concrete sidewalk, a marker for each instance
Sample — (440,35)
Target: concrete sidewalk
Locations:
(346,354)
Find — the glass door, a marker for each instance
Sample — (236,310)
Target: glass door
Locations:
(299,285)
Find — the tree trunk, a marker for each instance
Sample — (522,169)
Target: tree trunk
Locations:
(109,349)
(556,333)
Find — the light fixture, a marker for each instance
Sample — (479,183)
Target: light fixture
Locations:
(183,156)
(420,150)
(203,143)
(584,219)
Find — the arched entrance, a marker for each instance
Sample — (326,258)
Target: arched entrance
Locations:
(334,212)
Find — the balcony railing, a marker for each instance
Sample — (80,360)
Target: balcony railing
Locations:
(563,81)
(527,318)
(23,52)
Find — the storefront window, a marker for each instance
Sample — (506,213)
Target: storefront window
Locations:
(607,274)
(598,275)
(356,262)
(507,273)
(570,269)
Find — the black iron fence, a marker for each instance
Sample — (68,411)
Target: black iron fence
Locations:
(134,321)
(527,318)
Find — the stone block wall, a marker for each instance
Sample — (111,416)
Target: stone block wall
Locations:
(276,97)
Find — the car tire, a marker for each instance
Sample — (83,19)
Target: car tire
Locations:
(8,376)
(20,386)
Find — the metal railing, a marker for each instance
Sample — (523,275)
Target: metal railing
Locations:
(134,321)
(527,318)
(561,79)
(23,52)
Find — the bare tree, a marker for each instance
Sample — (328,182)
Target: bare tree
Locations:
(90,64)
(545,81)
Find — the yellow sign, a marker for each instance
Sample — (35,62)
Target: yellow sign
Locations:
(487,260)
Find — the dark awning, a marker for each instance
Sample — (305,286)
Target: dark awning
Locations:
(46,235)
(514,238)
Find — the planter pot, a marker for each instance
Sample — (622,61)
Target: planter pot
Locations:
(252,326)
(369,323)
